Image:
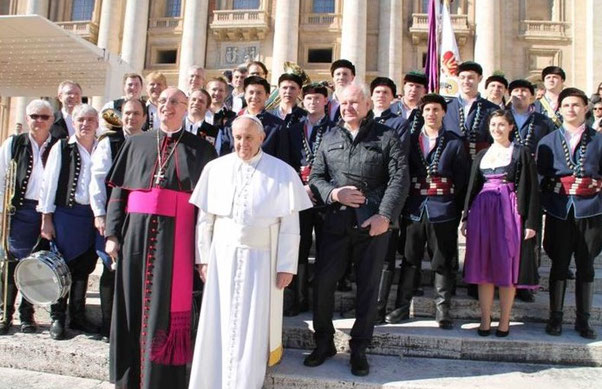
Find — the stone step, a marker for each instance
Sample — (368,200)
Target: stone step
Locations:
(394,372)
(26,379)
(464,307)
(526,343)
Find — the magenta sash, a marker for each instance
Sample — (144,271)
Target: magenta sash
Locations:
(173,347)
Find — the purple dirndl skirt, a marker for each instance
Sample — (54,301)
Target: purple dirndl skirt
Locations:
(493,235)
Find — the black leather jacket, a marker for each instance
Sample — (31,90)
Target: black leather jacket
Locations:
(375,162)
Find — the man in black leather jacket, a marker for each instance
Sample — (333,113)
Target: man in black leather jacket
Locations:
(361,173)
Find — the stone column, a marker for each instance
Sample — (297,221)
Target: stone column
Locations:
(593,53)
(487,36)
(353,36)
(390,53)
(286,36)
(108,38)
(194,38)
(133,48)
(37,7)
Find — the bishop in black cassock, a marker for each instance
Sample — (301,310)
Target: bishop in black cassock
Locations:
(150,228)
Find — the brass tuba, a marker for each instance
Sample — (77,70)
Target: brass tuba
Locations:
(289,67)
(8,211)
(112,118)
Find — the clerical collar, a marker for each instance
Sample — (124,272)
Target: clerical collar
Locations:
(170,134)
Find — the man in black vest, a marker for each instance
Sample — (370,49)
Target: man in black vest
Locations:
(109,145)
(132,89)
(67,217)
(30,151)
(195,121)
(70,95)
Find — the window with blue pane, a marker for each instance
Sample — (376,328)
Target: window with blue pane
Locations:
(323,6)
(245,4)
(82,9)
(173,8)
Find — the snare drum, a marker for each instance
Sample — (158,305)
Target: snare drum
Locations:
(43,277)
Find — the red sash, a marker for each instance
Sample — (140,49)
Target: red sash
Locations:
(431,186)
(577,186)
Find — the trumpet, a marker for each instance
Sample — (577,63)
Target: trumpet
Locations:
(8,211)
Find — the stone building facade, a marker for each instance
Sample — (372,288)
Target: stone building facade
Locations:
(382,37)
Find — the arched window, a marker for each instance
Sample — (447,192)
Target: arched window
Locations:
(82,10)
(173,8)
(245,4)
(323,6)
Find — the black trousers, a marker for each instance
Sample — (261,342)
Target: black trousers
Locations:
(563,238)
(441,240)
(368,253)
(309,220)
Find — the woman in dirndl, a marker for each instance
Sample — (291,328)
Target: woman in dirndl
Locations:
(501,217)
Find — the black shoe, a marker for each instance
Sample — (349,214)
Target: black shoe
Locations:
(585,331)
(501,334)
(486,332)
(446,324)
(319,355)
(359,364)
(28,327)
(344,285)
(57,330)
(5,327)
(554,326)
(525,295)
(397,316)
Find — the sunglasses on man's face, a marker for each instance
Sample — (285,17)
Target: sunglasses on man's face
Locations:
(598,109)
(35,116)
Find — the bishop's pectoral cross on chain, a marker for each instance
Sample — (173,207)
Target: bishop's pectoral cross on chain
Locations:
(160,176)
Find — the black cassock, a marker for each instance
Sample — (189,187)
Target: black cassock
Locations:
(143,282)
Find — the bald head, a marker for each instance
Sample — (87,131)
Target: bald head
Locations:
(172,109)
(355,104)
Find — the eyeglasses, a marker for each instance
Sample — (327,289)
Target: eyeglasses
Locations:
(172,101)
(598,109)
(35,116)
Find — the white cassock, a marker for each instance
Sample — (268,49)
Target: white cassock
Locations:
(247,231)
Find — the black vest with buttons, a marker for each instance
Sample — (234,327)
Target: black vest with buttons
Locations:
(70,170)
(21,152)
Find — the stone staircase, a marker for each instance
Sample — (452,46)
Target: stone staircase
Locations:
(414,354)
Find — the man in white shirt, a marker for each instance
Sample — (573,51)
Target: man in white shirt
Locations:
(236,100)
(67,217)
(195,123)
(155,84)
(132,89)
(109,144)
(218,113)
(29,151)
(343,74)
(70,95)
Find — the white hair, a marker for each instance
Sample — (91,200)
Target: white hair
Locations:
(252,118)
(84,109)
(38,104)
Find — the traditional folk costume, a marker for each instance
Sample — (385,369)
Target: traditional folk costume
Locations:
(305,139)
(65,194)
(501,202)
(202,129)
(292,118)
(108,146)
(152,179)
(530,128)
(570,170)
(550,109)
(26,221)
(439,174)
(470,123)
(247,232)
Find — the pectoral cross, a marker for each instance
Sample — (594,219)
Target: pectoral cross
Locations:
(159,177)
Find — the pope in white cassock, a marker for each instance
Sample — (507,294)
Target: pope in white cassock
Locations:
(247,247)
